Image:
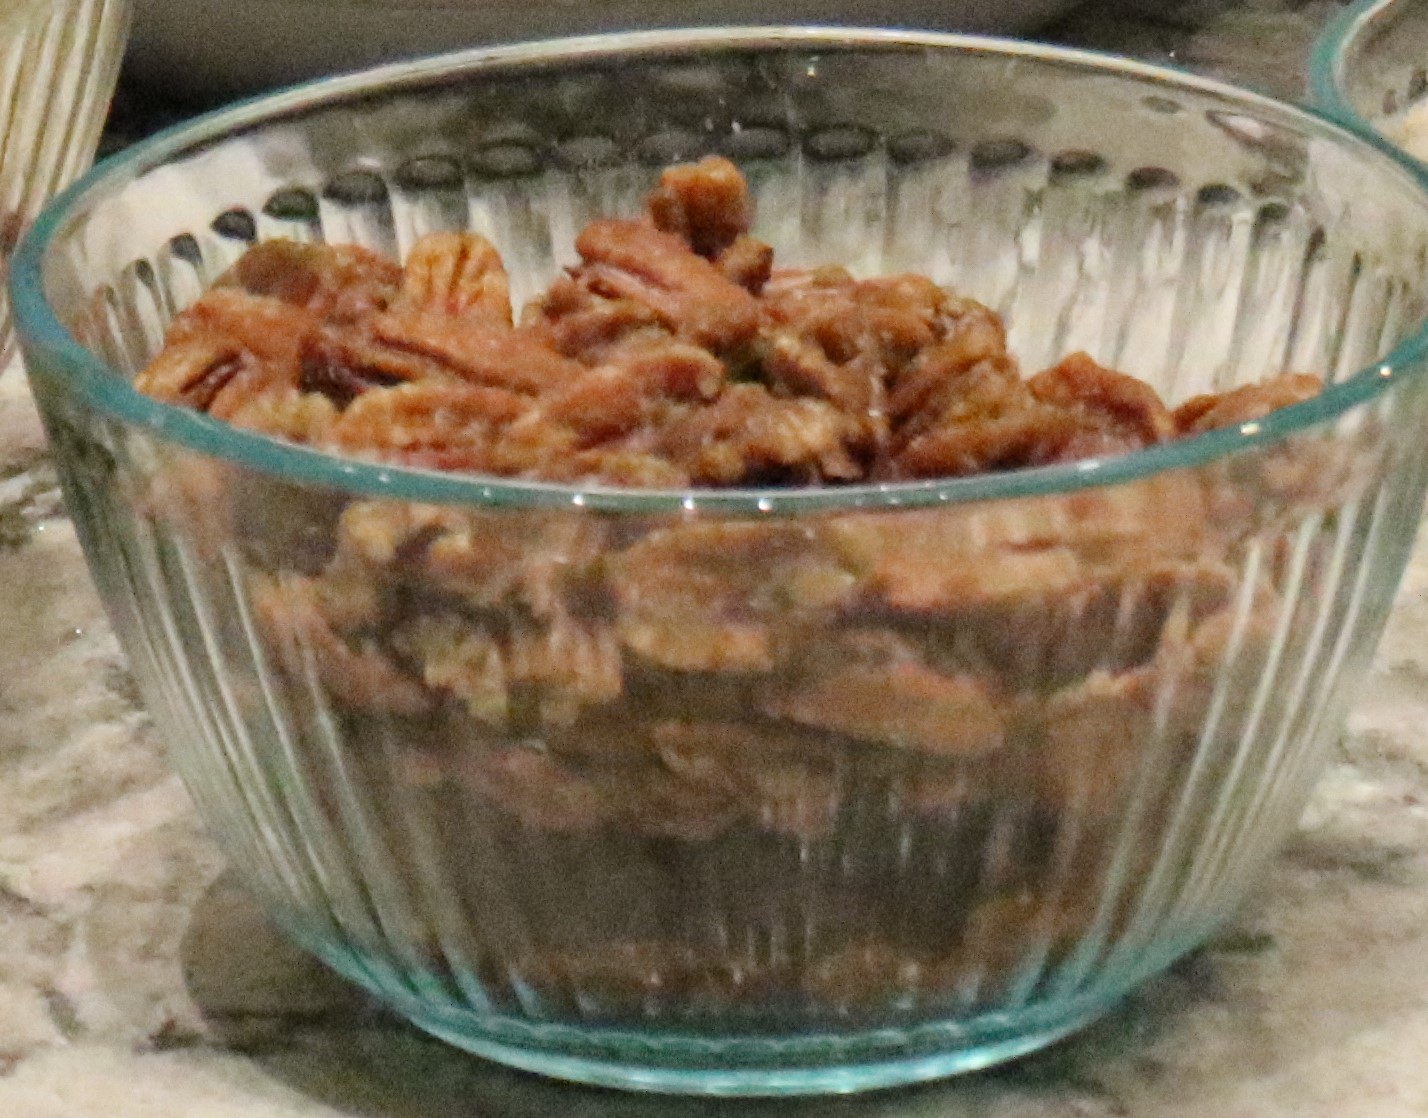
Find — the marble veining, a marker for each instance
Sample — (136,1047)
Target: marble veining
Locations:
(137,980)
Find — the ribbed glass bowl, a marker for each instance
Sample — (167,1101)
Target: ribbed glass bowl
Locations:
(1370,71)
(59,60)
(763,791)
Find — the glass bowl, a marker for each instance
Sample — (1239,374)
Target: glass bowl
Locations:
(59,60)
(1370,71)
(781,790)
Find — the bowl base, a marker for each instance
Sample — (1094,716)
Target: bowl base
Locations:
(654,1065)
(666,1061)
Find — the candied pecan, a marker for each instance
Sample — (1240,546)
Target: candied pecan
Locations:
(981,418)
(341,283)
(1037,641)
(631,260)
(1052,638)
(749,435)
(476,351)
(193,370)
(1094,735)
(538,790)
(891,319)
(348,597)
(846,341)
(439,425)
(457,274)
(343,364)
(1244,404)
(1119,413)
(705,203)
(612,400)
(571,663)
(949,561)
(784,779)
(895,334)
(1010,440)
(1312,473)
(455,656)
(785,282)
(193,496)
(1204,587)
(1097,733)
(919,298)
(377,534)
(540,559)
(280,269)
(421,768)
(565,295)
(801,367)
(747,262)
(694,597)
(846,318)
(481,558)
(1134,514)
(300,417)
(973,337)
(253,382)
(359,677)
(689,744)
(535,449)
(227,350)
(904,704)
(697,644)
(953,560)
(602,403)
(1226,629)
(273,331)
(588,330)
(809,298)
(674,369)
(617,465)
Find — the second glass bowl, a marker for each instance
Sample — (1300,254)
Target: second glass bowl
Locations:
(1370,71)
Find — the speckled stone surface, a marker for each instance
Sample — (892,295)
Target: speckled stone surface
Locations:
(137,981)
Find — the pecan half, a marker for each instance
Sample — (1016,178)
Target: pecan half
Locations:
(457,274)
(705,203)
(690,295)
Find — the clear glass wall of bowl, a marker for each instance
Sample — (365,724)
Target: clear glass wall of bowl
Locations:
(59,60)
(781,791)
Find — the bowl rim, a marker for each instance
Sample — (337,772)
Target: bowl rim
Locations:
(1330,55)
(46,342)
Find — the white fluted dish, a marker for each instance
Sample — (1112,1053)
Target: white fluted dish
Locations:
(59,60)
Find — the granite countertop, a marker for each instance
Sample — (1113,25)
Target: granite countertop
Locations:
(138,981)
